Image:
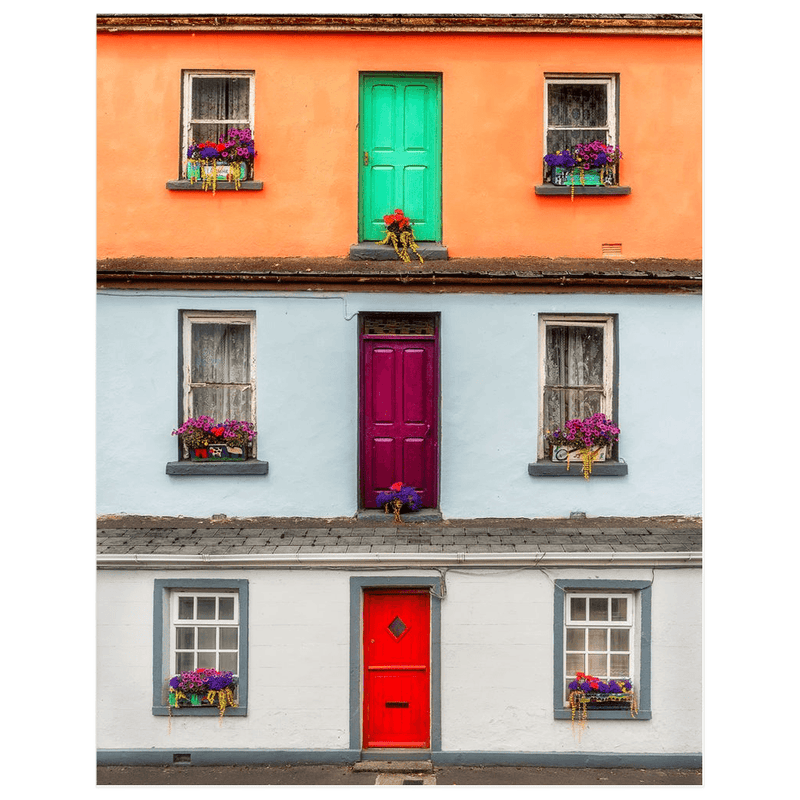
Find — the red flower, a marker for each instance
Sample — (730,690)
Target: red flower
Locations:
(218,431)
(388,220)
(396,487)
(399,211)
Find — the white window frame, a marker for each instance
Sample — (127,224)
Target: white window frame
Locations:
(606,322)
(190,318)
(629,623)
(187,121)
(176,622)
(608,80)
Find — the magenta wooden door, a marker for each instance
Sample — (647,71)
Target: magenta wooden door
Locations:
(397,694)
(399,416)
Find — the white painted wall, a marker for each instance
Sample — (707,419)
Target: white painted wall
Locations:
(307,360)
(496,664)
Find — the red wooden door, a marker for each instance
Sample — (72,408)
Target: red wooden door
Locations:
(397,705)
(399,424)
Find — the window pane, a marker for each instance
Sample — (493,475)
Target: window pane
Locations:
(184,662)
(206,638)
(206,660)
(597,665)
(184,638)
(597,639)
(575,663)
(598,608)
(577,607)
(619,609)
(220,98)
(564,139)
(575,638)
(229,662)
(620,638)
(186,608)
(620,665)
(228,638)
(206,608)
(222,403)
(220,353)
(226,608)
(583,105)
(573,358)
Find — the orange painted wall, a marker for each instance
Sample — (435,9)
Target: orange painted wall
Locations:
(306,117)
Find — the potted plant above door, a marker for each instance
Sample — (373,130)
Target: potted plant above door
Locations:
(229,159)
(208,440)
(399,498)
(585,440)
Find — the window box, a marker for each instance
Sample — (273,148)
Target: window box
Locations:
(225,170)
(594,176)
(567,455)
(218,452)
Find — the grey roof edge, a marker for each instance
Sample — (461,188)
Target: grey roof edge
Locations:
(418,560)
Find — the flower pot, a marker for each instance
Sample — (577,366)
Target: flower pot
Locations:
(225,170)
(572,176)
(218,452)
(561,454)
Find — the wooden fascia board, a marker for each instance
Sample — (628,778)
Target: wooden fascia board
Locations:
(404,24)
(429,282)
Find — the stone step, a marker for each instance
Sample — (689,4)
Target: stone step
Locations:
(393,766)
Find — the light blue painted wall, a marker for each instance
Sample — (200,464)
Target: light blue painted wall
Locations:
(308,405)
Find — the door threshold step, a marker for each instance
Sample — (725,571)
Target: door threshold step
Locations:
(372,251)
(381,517)
(393,766)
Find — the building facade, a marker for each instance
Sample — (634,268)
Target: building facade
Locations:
(273,300)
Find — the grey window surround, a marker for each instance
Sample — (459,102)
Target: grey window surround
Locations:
(642,686)
(161,591)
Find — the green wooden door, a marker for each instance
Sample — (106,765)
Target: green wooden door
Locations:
(400,159)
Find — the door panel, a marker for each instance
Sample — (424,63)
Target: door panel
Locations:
(399,424)
(400,153)
(396,648)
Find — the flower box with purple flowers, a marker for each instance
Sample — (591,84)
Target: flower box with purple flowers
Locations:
(203,687)
(585,440)
(586,164)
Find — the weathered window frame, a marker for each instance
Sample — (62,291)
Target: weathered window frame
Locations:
(611,128)
(190,318)
(605,322)
(188,78)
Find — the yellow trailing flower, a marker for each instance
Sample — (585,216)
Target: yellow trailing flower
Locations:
(401,236)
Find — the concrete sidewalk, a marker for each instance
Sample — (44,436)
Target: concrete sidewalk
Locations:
(344,775)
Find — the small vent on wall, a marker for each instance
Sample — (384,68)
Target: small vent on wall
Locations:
(612,250)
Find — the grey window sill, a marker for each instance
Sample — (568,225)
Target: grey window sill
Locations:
(565,713)
(250,467)
(550,469)
(201,711)
(551,189)
(222,186)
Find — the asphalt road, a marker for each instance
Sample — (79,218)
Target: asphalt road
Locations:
(332,775)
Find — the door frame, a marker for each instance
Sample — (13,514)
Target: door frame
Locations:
(362,78)
(435,318)
(357,587)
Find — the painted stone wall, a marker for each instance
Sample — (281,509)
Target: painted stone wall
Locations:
(497,664)
(307,389)
(306,134)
